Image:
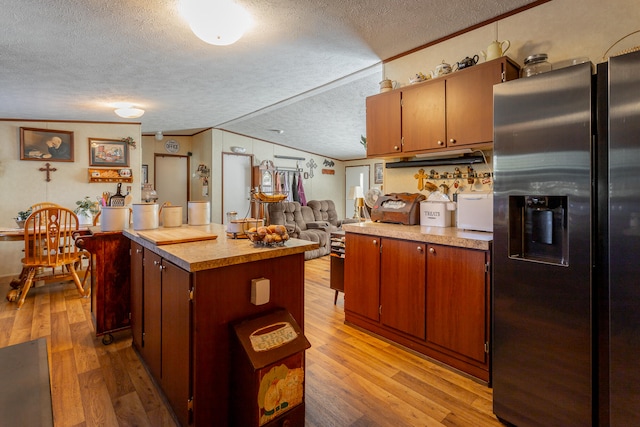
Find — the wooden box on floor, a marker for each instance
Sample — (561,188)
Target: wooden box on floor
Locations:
(267,386)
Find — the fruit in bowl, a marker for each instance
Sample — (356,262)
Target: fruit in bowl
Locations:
(272,235)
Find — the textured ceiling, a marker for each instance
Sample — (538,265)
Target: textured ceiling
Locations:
(305,66)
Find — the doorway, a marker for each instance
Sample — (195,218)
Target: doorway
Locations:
(236,184)
(171,180)
(356,176)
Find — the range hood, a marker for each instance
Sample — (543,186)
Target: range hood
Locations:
(454,157)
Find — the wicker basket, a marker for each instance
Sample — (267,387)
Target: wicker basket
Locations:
(270,197)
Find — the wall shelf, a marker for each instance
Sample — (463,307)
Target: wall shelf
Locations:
(110,175)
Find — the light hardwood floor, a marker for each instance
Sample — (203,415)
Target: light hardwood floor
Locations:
(352,378)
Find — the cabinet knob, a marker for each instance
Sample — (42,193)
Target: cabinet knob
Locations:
(395,147)
(452,141)
(156,262)
(419,248)
(440,143)
(432,250)
(375,242)
(138,251)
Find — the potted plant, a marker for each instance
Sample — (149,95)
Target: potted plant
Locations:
(86,209)
(22,217)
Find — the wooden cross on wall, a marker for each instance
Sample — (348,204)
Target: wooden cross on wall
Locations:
(48,170)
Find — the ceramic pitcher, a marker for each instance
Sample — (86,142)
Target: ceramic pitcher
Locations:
(496,49)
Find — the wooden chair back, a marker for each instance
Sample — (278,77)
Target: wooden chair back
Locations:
(48,238)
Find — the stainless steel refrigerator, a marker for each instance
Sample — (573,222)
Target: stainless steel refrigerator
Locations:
(565,336)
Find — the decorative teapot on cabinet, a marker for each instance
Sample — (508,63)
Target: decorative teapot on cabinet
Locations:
(441,70)
(466,62)
(496,49)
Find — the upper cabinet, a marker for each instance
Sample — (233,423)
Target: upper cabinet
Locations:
(438,115)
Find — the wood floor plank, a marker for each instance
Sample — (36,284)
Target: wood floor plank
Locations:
(60,333)
(96,401)
(66,397)
(116,376)
(129,411)
(84,347)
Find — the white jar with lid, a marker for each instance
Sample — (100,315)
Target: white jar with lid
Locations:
(536,64)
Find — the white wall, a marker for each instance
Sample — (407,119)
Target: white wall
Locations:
(320,186)
(22,184)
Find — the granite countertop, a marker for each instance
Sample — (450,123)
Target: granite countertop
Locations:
(220,252)
(450,236)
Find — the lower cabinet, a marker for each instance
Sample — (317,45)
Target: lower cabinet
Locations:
(431,298)
(457,301)
(181,326)
(402,286)
(161,316)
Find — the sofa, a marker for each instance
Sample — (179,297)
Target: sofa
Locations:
(314,222)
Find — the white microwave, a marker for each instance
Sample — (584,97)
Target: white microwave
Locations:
(475,211)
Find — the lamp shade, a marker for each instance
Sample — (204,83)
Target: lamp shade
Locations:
(355,192)
(217,22)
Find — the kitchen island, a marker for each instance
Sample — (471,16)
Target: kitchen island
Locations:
(186,296)
(425,288)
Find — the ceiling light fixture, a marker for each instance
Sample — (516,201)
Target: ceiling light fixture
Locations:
(159,136)
(279,131)
(217,22)
(128,111)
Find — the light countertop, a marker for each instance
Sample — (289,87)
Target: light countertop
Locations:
(451,236)
(220,252)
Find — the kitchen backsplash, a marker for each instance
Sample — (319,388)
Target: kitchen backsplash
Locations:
(448,179)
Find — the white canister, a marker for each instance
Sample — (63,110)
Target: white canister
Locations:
(114,218)
(171,216)
(199,213)
(145,216)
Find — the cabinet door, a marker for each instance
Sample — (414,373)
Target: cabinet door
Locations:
(402,286)
(470,104)
(383,124)
(423,117)
(457,300)
(176,338)
(151,313)
(362,275)
(136,294)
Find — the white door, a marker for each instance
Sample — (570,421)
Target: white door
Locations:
(356,176)
(172,181)
(236,184)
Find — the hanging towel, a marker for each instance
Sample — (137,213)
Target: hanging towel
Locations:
(287,186)
(303,199)
(277,187)
(294,188)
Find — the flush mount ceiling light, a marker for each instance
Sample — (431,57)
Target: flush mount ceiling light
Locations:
(127,111)
(218,22)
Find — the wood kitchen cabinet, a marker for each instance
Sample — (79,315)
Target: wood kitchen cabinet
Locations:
(362,275)
(384,134)
(433,299)
(458,301)
(441,114)
(110,283)
(387,284)
(161,316)
(184,299)
(402,286)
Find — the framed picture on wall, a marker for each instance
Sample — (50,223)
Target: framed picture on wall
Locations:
(378,173)
(108,152)
(46,144)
